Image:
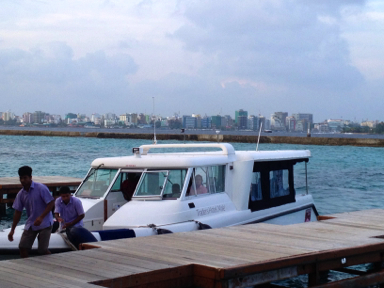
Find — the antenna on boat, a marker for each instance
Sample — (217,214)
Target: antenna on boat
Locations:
(154,122)
(258,138)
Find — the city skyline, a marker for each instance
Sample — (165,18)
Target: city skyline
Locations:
(324,57)
(278,121)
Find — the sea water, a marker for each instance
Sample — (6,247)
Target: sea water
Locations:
(340,178)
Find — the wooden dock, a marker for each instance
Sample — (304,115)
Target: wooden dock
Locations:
(239,256)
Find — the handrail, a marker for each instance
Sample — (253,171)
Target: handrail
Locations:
(225,147)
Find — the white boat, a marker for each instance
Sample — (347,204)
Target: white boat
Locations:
(238,187)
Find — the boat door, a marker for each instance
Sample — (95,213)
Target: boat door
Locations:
(122,190)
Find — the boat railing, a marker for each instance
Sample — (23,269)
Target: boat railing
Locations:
(227,149)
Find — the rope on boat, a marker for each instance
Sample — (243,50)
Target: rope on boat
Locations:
(66,240)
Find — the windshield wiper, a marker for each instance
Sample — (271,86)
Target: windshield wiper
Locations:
(93,172)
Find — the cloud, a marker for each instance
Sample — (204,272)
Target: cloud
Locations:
(50,74)
(284,42)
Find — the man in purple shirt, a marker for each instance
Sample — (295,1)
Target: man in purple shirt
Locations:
(38,201)
(69,210)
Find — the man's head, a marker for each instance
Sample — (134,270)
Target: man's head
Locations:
(65,194)
(25,175)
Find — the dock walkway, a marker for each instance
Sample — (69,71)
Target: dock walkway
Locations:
(239,256)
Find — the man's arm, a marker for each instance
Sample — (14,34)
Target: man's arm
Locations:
(74,222)
(58,218)
(47,210)
(16,219)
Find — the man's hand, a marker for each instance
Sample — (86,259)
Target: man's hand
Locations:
(10,235)
(66,225)
(38,221)
(59,219)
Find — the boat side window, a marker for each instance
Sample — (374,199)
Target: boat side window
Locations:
(217,178)
(126,183)
(96,183)
(279,183)
(207,180)
(272,184)
(152,183)
(174,184)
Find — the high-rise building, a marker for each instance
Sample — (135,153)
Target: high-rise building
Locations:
(253,122)
(290,123)
(206,122)
(27,117)
(306,120)
(189,122)
(6,116)
(241,119)
(216,122)
(278,120)
(38,117)
(303,116)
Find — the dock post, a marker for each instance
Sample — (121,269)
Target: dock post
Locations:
(314,277)
(3,209)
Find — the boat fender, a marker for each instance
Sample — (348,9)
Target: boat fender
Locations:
(203,226)
(163,231)
(79,235)
(106,235)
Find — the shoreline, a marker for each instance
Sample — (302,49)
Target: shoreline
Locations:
(330,141)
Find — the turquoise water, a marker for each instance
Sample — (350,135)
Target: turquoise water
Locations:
(340,178)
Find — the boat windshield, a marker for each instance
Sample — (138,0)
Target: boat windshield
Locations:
(96,183)
(167,184)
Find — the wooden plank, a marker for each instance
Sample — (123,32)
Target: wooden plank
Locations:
(40,263)
(178,256)
(98,260)
(126,259)
(72,264)
(77,262)
(36,274)
(15,278)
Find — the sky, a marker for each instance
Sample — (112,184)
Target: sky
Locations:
(193,56)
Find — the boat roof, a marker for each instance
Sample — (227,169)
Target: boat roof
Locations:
(143,159)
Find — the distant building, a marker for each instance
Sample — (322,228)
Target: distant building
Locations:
(27,118)
(253,123)
(321,127)
(267,124)
(70,116)
(38,117)
(290,123)
(278,120)
(7,116)
(189,122)
(216,122)
(206,122)
(306,120)
(241,119)
(370,124)
(198,120)
(335,124)
(262,123)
